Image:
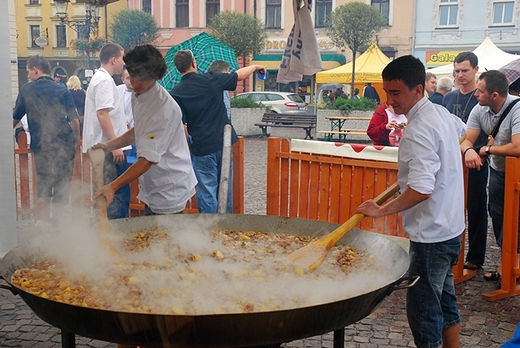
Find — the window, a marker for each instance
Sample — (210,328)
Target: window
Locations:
(34,2)
(383,6)
(323,9)
(146,6)
(81,29)
(182,14)
(448,12)
(61,36)
(212,8)
(273,14)
(503,12)
(35,33)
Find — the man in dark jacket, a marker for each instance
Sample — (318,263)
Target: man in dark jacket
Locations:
(54,126)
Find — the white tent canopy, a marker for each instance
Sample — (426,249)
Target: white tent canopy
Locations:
(490,57)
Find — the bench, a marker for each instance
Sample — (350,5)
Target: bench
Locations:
(305,121)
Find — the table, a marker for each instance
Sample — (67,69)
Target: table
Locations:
(336,127)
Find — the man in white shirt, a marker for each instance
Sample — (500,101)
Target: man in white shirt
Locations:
(166,177)
(105,120)
(125,92)
(432,202)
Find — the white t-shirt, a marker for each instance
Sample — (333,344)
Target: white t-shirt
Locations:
(159,134)
(102,94)
(126,96)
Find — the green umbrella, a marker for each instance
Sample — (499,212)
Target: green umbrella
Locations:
(206,50)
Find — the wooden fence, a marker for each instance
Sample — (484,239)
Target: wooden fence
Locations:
(326,188)
(82,188)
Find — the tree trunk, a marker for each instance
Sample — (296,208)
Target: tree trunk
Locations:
(353,74)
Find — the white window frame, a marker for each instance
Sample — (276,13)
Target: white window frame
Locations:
(504,2)
(30,36)
(449,4)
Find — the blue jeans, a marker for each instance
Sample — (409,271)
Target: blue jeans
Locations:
(431,305)
(120,206)
(207,169)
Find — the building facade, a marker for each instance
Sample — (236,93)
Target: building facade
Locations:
(461,25)
(40,31)
(180,20)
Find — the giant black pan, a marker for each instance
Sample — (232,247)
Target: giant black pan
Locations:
(222,330)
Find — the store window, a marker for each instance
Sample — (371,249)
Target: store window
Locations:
(61,36)
(35,33)
(448,10)
(503,12)
(323,9)
(383,6)
(182,14)
(273,14)
(212,8)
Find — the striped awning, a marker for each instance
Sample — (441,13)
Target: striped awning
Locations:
(272,61)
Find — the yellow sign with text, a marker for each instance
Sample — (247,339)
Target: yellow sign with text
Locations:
(438,58)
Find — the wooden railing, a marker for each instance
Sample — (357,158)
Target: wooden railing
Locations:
(509,259)
(326,188)
(81,188)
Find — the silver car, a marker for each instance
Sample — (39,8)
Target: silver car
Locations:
(279,102)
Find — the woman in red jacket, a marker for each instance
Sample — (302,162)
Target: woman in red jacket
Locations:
(378,128)
(385,127)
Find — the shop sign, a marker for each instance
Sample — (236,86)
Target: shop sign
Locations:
(438,58)
(279,45)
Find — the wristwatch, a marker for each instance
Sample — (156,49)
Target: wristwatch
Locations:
(488,148)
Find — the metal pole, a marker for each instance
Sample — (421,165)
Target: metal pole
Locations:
(8,63)
(223,188)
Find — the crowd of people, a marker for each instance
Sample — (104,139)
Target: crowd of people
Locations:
(179,134)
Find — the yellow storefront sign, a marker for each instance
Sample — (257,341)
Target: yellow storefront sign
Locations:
(438,58)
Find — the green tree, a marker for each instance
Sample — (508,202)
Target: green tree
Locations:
(354,25)
(131,28)
(242,32)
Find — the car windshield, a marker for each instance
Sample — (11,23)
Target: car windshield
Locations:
(295,98)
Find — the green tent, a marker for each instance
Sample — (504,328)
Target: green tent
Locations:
(206,50)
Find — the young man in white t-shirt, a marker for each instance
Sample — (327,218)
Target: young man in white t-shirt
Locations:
(105,120)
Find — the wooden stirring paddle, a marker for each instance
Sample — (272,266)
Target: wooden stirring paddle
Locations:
(312,255)
(97,159)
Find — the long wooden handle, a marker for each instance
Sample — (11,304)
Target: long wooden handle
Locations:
(339,232)
(97,159)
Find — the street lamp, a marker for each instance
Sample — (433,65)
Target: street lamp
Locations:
(91,22)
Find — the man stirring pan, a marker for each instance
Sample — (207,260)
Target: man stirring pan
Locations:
(432,202)
(166,178)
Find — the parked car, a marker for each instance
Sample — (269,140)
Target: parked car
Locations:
(279,102)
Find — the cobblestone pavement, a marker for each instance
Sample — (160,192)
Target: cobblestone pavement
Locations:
(485,324)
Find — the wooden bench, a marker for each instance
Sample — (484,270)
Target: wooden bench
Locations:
(305,121)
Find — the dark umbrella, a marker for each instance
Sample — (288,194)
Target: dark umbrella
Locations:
(331,86)
(511,70)
(206,49)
